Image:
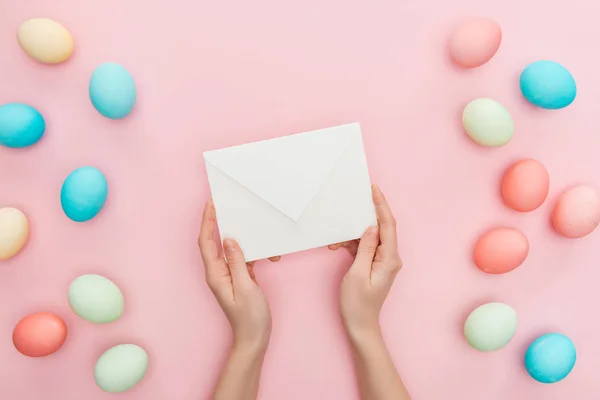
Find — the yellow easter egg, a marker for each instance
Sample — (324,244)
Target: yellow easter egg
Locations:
(45,40)
(14,230)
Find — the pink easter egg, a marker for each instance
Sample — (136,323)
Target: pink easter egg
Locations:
(577,212)
(525,185)
(475,42)
(501,250)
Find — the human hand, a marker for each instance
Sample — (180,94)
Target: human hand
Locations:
(234,285)
(369,279)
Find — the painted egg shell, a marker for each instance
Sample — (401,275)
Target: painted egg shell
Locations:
(548,84)
(96,299)
(525,185)
(20,125)
(475,42)
(84,193)
(112,91)
(577,212)
(40,334)
(488,122)
(501,250)
(45,40)
(14,230)
(550,358)
(491,326)
(120,368)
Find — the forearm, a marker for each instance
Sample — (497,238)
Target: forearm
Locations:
(241,376)
(378,378)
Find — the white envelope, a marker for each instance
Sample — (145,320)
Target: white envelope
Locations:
(292,193)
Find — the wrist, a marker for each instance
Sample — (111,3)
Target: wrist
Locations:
(250,347)
(361,335)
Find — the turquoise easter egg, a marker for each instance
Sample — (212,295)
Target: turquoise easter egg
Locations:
(20,125)
(120,368)
(95,299)
(83,193)
(547,84)
(550,358)
(112,91)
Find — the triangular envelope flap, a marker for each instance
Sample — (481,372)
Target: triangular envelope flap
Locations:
(286,172)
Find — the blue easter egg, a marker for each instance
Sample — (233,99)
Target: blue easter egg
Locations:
(112,91)
(20,125)
(83,194)
(550,358)
(548,84)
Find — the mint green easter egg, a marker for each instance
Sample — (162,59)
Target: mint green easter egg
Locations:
(96,299)
(491,326)
(120,368)
(488,122)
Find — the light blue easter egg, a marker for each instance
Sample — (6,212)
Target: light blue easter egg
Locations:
(112,91)
(550,358)
(84,193)
(20,125)
(548,84)
(120,368)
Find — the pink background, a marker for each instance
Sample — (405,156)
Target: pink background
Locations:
(219,73)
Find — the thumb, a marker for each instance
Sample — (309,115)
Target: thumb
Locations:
(237,262)
(367,247)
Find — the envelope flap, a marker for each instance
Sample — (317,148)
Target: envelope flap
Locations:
(286,172)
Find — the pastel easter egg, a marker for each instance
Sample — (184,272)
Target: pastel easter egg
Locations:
(112,91)
(95,299)
(45,40)
(577,212)
(84,193)
(525,185)
(550,358)
(120,368)
(39,335)
(547,84)
(500,250)
(491,326)
(20,125)
(475,42)
(488,122)
(14,230)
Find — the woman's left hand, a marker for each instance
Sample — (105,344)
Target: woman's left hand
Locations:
(234,285)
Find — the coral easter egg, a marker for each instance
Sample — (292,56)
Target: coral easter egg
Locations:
(525,185)
(475,42)
(45,40)
(577,212)
(14,230)
(501,250)
(40,334)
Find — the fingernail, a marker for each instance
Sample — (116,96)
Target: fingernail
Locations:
(376,188)
(372,230)
(229,245)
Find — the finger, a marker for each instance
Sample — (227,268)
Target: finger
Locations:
(352,247)
(237,263)
(206,239)
(335,246)
(251,271)
(367,247)
(385,218)
(275,259)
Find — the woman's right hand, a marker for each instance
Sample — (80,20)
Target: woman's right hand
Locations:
(369,279)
